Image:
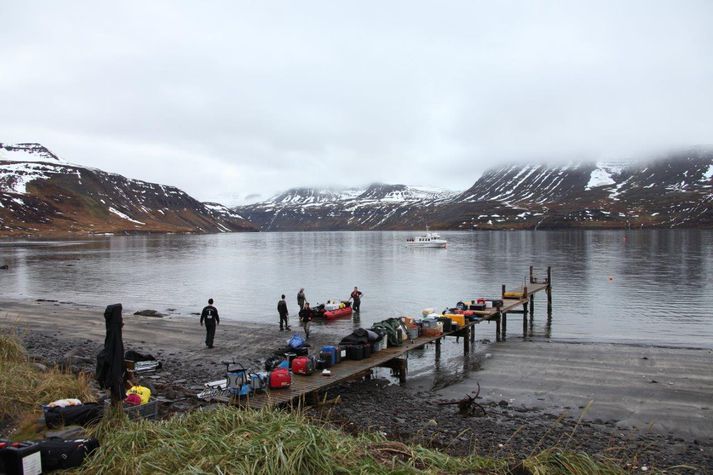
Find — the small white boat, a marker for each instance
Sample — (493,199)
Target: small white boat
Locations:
(427,240)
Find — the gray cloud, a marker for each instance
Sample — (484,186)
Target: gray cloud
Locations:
(231,99)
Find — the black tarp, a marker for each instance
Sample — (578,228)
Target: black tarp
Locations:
(113,374)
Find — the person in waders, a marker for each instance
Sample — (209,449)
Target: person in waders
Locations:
(306,318)
(211,318)
(282,310)
(356,297)
(301,298)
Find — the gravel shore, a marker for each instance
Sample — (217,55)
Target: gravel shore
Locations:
(71,335)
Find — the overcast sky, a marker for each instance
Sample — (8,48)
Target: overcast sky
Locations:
(232,99)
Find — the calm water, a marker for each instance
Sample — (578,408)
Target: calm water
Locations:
(646,286)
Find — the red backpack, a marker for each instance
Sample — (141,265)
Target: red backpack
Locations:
(280,378)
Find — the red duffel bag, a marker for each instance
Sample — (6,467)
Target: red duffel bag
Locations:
(280,378)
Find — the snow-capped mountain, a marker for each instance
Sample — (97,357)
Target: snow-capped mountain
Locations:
(671,191)
(41,194)
(378,206)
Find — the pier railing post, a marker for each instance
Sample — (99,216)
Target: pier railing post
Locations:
(497,327)
(504,326)
(531,275)
(502,295)
(438,348)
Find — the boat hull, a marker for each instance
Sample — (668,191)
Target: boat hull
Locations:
(338,313)
(431,244)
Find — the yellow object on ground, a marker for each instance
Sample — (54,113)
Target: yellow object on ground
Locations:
(142,391)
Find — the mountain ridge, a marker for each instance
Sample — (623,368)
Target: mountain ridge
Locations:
(43,195)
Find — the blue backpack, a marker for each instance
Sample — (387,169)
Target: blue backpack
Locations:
(296,342)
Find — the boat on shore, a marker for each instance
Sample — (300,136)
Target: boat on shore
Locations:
(428,239)
(330,311)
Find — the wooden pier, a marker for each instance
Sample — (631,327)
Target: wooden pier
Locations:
(309,388)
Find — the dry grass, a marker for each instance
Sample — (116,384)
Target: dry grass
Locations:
(24,387)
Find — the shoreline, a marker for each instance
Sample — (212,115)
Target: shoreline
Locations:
(72,334)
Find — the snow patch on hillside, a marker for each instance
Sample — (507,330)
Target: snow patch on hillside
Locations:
(123,216)
(708,174)
(603,175)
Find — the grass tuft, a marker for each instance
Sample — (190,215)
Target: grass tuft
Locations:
(555,462)
(24,387)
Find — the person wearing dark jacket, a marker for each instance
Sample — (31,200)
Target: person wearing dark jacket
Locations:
(306,318)
(282,310)
(211,318)
(356,297)
(301,298)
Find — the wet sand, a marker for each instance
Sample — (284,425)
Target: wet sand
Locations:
(526,386)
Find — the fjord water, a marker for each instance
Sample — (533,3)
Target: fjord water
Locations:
(616,286)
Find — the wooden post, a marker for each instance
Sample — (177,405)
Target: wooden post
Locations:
(466,341)
(504,326)
(524,325)
(438,348)
(531,274)
(472,333)
(524,309)
(532,305)
(497,327)
(549,291)
(502,295)
(524,293)
(402,371)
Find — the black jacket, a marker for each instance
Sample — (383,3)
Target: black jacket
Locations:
(282,307)
(210,315)
(305,314)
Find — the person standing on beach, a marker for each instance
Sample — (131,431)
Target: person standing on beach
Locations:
(211,318)
(306,318)
(356,297)
(282,310)
(301,298)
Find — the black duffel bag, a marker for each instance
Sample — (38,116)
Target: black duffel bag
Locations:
(59,454)
(83,415)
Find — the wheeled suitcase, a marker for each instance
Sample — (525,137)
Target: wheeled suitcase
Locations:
(59,454)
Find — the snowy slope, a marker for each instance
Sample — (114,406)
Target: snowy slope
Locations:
(670,191)
(44,195)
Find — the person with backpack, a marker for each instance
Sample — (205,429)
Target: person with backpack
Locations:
(306,318)
(282,311)
(211,318)
(356,297)
(301,298)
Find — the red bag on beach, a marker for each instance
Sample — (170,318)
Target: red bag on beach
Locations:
(280,378)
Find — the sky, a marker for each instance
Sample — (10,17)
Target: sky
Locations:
(237,101)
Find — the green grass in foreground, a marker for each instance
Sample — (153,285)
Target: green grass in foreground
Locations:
(229,440)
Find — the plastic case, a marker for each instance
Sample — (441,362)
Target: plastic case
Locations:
(21,458)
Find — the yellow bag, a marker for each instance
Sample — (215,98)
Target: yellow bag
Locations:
(142,391)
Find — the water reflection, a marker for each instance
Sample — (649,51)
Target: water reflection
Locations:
(645,286)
